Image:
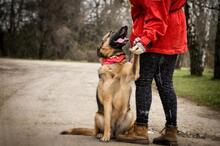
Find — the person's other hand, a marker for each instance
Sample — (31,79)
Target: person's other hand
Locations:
(138,48)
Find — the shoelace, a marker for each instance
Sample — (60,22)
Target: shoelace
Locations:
(161,132)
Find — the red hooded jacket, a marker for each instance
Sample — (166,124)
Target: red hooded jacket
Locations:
(161,22)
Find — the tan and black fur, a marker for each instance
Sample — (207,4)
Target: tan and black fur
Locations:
(114,115)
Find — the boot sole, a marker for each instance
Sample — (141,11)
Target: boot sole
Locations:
(168,143)
(140,141)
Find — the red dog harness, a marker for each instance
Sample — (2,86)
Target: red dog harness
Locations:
(114,59)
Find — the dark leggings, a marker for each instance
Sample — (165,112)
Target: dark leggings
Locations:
(159,67)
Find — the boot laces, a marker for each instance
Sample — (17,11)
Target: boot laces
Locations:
(161,132)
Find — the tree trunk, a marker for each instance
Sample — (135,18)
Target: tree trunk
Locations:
(196,47)
(217,50)
(42,41)
(197,60)
(2,47)
(12,17)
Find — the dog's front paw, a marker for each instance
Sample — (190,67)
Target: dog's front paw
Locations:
(105,138)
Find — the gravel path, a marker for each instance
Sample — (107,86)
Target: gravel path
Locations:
(38,99)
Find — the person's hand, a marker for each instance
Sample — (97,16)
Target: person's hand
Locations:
(138,48)
(136,40)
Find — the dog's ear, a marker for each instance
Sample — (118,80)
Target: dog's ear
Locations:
(104,39)
(106,36)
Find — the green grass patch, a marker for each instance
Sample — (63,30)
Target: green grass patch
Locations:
(201,89)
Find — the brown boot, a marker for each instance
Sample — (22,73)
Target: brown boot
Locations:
(169,138)
(137,134)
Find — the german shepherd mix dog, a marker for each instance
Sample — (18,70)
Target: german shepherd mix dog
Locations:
(114,116)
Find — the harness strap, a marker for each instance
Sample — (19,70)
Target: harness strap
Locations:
(114,59)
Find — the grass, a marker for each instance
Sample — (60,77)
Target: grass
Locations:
(201,89)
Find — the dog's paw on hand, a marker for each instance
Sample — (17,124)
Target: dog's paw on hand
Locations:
(105,139)
(99,135)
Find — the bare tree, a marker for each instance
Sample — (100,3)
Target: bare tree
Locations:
(217,49)
(198,18)
(58,28)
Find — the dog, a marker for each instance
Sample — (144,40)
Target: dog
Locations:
(116,75)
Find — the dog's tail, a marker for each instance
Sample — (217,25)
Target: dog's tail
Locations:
(79,131)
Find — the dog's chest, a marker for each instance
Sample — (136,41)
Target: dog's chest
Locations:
(107,72)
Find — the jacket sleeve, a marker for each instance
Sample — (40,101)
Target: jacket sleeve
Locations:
(155,20)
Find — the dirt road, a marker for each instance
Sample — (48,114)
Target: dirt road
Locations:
(39,99)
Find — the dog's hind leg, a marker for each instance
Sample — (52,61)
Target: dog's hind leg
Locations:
(125,123)
(99,125)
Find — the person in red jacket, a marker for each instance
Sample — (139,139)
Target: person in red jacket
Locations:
(158,36)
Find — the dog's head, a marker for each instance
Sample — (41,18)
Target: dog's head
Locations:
(113,42)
